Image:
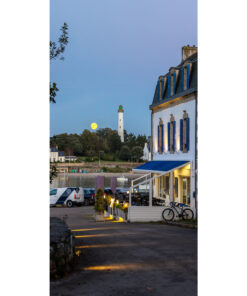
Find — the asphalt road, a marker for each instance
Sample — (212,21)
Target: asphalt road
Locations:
(128,259)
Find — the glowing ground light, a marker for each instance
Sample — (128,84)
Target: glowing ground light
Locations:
(94,126)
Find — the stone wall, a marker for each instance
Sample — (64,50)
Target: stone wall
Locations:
(61,248)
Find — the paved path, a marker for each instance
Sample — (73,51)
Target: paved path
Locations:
(128,259)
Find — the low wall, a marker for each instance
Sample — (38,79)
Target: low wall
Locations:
(93,167)
(148,214)
(61,248)
(145,214)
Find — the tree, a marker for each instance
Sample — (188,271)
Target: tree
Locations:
(124,153)
(141,140)
(56,50)
(137,153)
(114,142)
(131,140)
(88,141)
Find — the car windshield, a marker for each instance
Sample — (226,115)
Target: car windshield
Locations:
(53,192)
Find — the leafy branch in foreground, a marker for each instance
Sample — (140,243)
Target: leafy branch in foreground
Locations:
(53,173)
(53,92)
(57,49)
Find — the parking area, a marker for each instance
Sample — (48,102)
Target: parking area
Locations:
(128,258)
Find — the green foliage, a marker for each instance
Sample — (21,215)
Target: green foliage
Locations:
(53,92)
(53,173)
(105,143)
(124,153)
(56,50)
(137,153)
(108,200)
(99,202)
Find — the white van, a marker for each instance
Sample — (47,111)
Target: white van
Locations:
(67,196)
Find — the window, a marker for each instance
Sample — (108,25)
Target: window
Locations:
(53,192)
(185,133)
(172,84)
(161,137)
(176,187)
(171,127)
(167,179)
(185,77)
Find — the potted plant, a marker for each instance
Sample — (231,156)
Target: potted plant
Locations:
(99,205)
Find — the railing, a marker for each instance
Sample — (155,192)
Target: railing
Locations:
(145,176)
(150,181)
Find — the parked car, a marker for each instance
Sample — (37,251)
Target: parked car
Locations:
(108,192)
(67,196)
(89,196)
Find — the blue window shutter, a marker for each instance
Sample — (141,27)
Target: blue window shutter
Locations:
(162,138)
(188,77)
(187,134)
(174,83)
(182,79)
(169,86)
(181,134)
(168,134)
(174,135)
(158,138)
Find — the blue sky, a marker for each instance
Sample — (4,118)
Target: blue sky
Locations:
(116,51)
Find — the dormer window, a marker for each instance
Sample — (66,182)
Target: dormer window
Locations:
(161,137)
(171,84)
(171,127)
(185,77)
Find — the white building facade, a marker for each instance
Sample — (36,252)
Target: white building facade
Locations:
(172,173)
(146,153)
(56,155)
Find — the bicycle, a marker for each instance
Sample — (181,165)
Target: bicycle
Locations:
(169,213)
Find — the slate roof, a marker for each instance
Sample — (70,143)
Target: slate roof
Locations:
(61,153)
(54,149)
(192,83)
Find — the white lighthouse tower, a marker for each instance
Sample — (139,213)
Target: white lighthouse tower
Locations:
(121,123)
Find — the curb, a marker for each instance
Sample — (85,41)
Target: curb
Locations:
(182,225)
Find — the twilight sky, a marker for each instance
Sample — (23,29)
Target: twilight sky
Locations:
(116,51)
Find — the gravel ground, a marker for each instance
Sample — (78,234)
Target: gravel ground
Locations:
(128,259)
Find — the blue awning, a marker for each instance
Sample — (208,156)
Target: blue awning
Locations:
(157,166)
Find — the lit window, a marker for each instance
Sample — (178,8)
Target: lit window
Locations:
(171,127)
(185,133)
(161,137)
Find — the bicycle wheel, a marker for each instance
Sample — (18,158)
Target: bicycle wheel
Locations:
(187,214)
(168,215)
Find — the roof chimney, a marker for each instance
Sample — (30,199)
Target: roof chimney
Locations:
(187,51)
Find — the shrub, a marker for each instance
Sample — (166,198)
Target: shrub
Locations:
(108,200)
(104,169)
(99,203)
